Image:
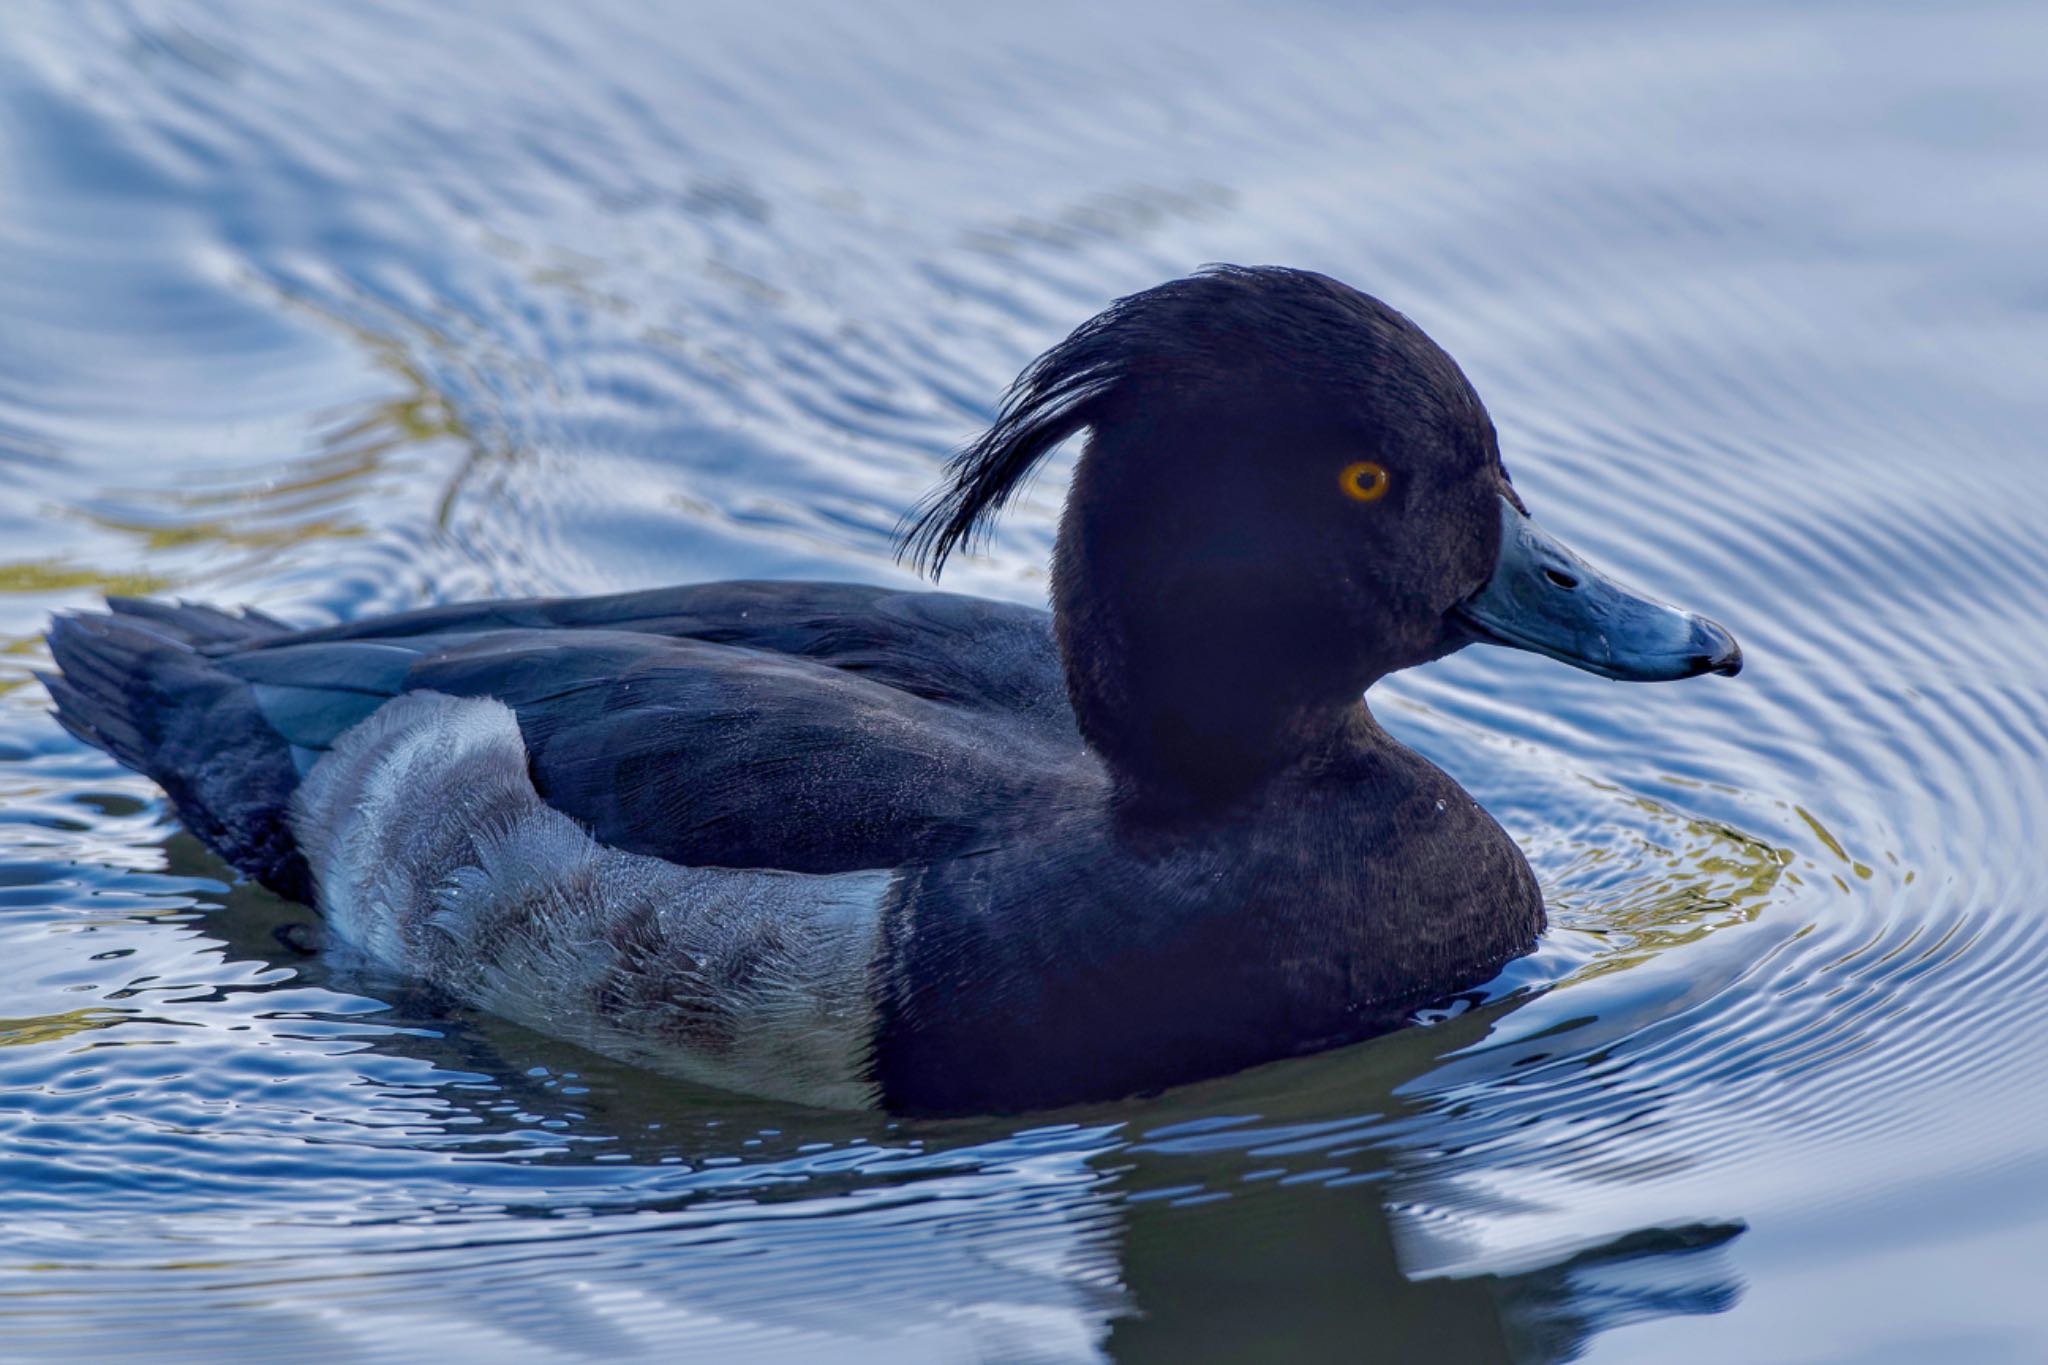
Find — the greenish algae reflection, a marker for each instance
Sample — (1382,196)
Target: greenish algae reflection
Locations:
(1692,878)
(54,575)
(54,1028)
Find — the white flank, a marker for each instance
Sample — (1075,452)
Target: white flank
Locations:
(433,854)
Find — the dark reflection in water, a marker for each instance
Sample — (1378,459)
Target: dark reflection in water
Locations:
(337,309)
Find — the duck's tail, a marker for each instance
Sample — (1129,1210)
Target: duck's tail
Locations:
(143,682)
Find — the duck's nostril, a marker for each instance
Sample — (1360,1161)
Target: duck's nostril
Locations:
(1561,578)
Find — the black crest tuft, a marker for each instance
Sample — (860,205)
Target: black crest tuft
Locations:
(1057,395)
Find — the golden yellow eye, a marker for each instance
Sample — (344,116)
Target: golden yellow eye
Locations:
(1365,481)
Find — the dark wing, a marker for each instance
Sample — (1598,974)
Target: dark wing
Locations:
(910,727)
(970,651)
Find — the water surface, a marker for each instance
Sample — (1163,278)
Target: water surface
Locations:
(346,308)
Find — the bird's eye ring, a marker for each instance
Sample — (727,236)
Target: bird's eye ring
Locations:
(1364,481)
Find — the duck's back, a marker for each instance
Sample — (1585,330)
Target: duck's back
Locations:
(972,652)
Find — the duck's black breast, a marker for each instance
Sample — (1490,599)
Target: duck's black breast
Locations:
(810,727)
(1091,958)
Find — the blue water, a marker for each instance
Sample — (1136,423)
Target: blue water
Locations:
(334,309)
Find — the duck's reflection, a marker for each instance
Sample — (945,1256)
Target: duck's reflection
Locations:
(1239,1220)
(1304,1261)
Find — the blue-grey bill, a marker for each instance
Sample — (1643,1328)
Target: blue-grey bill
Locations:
(1547,600)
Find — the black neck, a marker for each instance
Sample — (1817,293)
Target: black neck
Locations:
(1198,667)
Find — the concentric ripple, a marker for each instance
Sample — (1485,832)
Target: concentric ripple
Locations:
(345,308)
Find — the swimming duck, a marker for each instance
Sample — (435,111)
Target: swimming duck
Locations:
(860,846)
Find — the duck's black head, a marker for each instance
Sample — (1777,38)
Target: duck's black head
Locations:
(1288,492)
